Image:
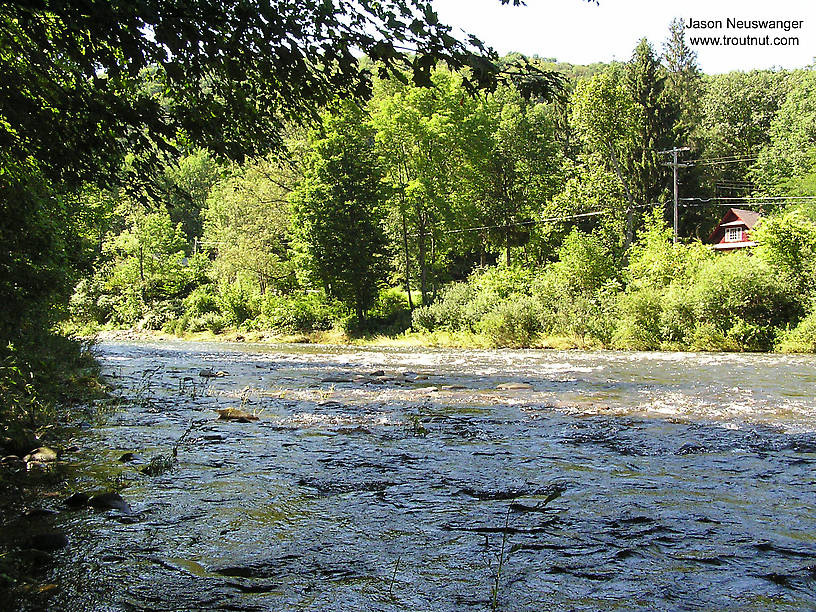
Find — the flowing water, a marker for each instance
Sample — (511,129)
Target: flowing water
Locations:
(652,481)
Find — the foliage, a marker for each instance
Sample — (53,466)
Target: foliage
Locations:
(337,211)
(246,221)
(515,322)
(787,164)
(744,298)
(230,75)
(787,242)
(297,312)
(800,339)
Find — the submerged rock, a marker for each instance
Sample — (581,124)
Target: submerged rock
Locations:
(129,457)
(235,414)
(48,541)
(110,501)
(77,500)
(210,373)
(336,379)
(514,386)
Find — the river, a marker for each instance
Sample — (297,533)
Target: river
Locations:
(425,479)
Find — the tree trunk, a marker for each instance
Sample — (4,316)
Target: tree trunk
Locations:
(507,241)
(407,256)
(141,271)
(630,210)
(423,264)
(433,263)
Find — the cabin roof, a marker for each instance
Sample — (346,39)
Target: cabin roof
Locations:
(735,217)
(749,217)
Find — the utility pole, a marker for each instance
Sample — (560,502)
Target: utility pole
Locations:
(675,165)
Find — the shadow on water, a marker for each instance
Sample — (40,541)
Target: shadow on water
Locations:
(445,480)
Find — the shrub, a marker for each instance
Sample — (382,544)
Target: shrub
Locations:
(158,315)
(211,321)
(298,312)
(424,318)
(800,339)
(638,327)
(201,300)
(745,299)
(515,322)
(234,303)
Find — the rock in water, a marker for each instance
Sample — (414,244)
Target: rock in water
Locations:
(129,457)
(41,455)
(49,541)
(77,500)
(235,414)
(110,501)
(514,386)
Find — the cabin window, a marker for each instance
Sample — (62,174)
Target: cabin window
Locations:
(733,234)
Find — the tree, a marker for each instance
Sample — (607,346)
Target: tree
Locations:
(419,135)
(654,125)
(84,84)
(683,77)
(787,164)
(788,243)
(337,210)
(605,118)
(231,74)
(246,223)
(184,188)
(517,166)
(737,109)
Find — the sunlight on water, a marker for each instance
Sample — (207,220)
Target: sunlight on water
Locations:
(390,480)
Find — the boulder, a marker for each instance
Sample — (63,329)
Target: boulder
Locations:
(110,501)
(235,414)
(43,454)
(48,541)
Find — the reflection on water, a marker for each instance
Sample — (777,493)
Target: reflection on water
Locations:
(390,479)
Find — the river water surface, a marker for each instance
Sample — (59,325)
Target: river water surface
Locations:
(414,479)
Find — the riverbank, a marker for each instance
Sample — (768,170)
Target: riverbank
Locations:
(47,386)
(435,339)
(420,339)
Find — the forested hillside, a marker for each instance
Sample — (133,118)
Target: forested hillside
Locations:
(504,214)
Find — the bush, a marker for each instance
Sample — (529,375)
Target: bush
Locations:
(211,321)
(638,327)
(296,313)
(800,339)
(515,322)
(201,300)
(234,303)
(391,314)
(158,316)
(745,299)
(424,318)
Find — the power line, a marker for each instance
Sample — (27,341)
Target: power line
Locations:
(721,163)
(518,223)
(758,198)
(675,165)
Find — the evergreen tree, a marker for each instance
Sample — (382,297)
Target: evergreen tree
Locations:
(655,125)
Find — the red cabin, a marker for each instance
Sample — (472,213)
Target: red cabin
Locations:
(734,231)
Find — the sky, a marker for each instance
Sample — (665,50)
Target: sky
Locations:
(582,32)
